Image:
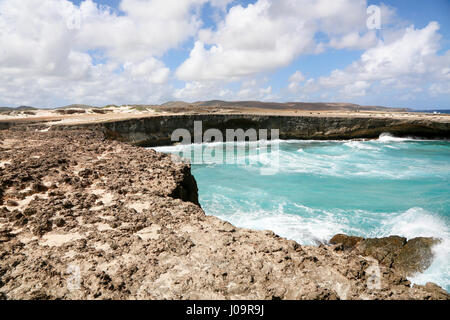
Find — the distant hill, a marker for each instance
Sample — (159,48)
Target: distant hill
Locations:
(25,108)
(304,106)
(21,108)
(77,106)
(176,104)
(217,104)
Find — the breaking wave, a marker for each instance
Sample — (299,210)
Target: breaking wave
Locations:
(370,188)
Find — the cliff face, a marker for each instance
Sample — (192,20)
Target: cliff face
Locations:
(154,131)
(82,217)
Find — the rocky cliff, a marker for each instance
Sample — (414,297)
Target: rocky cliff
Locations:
(157,130)
(82,217)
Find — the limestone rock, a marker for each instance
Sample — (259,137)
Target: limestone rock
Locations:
(348,242)
(385,250)
(408,257)
(415,256)
(113,221)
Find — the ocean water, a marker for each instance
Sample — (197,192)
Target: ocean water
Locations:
(438,111)
(316,189)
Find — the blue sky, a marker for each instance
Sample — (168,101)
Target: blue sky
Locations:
(136,51)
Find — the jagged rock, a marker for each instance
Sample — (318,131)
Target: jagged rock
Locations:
(348,242)
(385,250)
(6,235)
(134,231)
(12,203)
(415,256)
(407,257)
(435,292)
(154,130)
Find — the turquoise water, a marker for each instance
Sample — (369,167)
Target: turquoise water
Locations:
(316,189)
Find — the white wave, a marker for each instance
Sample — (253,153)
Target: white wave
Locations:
(439,271)
(362,145)
(311,226)
(172,149)
(387,137)
(304,230)
(417,222)
(356,143)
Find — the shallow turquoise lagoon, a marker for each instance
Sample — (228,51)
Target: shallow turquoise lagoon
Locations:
(309,191)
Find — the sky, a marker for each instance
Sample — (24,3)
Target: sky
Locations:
(98,52)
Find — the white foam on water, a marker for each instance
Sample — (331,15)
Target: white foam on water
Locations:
(417,222)
(304,230)
(312,226)
(387,137)
(355,143)
(439,271)
(348,159)
(361,145)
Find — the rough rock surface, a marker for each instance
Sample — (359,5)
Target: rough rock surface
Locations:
(153,131)
(86,218)
(405,256)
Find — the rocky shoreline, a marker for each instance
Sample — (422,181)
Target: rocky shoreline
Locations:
(83,217)
(156,130)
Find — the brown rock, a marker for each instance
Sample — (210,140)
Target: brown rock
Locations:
(415,256)
(435,292)
(12,203)
(385,250)
(39,187)
(42,228)
(406,257)
(5,235)
(348,242)
(141,234)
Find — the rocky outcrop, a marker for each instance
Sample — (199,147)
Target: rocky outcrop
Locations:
(157,130)
(87,218)
(345,241)
(408,257)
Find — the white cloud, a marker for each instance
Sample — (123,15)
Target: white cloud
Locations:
(254,93)
(197,90)
(147,28)
(151,68)
(47,49)
(54,52)
(252,89)
(437,89)
(354,40)
(297,77)
(402,62)
(267,35)
(295,80)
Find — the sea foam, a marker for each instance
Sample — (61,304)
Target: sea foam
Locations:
(369,188)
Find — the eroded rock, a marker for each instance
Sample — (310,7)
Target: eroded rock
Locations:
(100,219)
(408,257)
